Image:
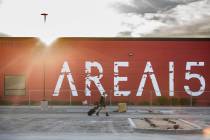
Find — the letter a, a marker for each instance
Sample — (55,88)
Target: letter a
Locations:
(148,70)
(65,69)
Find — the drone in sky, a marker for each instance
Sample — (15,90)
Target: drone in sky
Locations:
(45,16)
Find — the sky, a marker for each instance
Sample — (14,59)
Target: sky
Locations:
(105,18)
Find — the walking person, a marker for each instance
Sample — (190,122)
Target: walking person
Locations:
(102,104)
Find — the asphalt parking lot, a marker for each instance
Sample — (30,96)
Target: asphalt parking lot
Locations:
(67,122)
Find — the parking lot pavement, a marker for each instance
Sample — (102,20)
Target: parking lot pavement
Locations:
(60,123)
(95,136)
(66,123)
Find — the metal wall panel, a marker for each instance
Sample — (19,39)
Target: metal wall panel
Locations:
(14,85)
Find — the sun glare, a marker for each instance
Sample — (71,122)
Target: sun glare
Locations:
(47,40)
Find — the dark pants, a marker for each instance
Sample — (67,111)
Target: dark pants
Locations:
(100,108)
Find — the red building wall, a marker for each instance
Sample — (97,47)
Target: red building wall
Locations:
(42,66)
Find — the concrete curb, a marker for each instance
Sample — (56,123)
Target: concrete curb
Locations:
(132,124)
(197,130)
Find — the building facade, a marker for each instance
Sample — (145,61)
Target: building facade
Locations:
(77,70)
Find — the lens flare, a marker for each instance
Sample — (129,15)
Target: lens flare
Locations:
(206,132)
(47,40)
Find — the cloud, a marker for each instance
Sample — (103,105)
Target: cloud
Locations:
(107,18)
(3,35)
(199,29)
(183,18)
(124,34)
(149,6)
